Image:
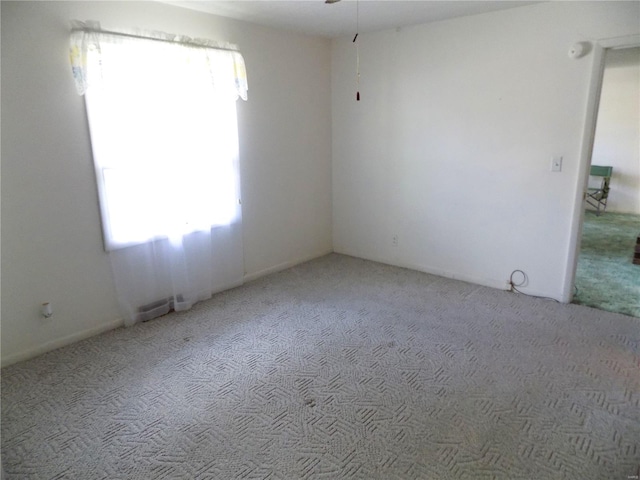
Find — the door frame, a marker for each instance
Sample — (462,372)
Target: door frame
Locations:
(586,150)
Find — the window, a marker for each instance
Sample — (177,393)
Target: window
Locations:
(162,117)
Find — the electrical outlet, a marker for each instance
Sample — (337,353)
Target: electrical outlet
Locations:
(394,240)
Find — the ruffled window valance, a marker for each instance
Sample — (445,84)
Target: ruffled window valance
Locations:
(224,62)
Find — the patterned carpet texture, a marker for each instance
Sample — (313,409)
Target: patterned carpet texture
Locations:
(606,277)
(338,368)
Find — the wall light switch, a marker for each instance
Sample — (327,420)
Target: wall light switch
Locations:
(556,164)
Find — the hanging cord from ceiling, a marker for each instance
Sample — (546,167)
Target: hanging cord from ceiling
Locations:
(355,40)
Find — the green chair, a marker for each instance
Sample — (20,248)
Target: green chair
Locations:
(597,196)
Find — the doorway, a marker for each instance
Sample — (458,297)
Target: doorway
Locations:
(605,276)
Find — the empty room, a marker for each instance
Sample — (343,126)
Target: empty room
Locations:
(308,239)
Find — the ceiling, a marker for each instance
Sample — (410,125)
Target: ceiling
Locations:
(314,17)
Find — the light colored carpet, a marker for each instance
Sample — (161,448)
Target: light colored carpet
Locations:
(606,277)
(338,368)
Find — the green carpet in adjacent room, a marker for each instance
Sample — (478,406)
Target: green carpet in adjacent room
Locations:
(606,277)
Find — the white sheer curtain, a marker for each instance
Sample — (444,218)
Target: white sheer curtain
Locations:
(162,117)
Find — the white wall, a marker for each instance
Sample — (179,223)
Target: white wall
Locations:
(617,141)
(51,239)
(450,147)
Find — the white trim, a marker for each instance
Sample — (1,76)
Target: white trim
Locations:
(586,150)
(76,337)
(627,41)
(248,277)
(119,322)
(480,281)
(61,342)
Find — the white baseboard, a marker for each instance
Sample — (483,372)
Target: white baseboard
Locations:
(61,342)
(248,277)
(485,282)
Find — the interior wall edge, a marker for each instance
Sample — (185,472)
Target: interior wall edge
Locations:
(60,342)
(482,282)
(248,277)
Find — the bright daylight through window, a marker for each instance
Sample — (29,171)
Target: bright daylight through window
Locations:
(164,136)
